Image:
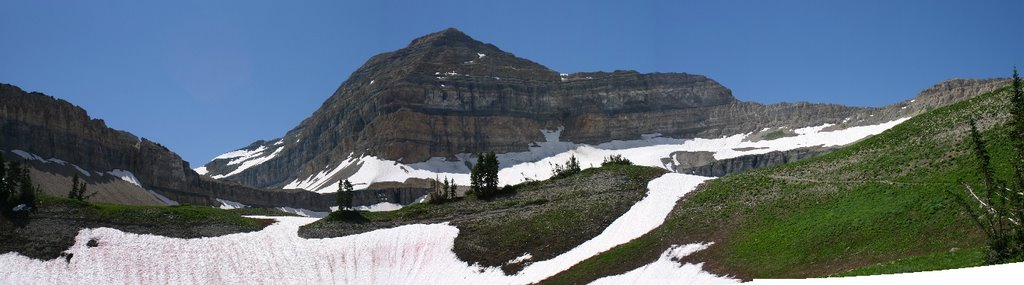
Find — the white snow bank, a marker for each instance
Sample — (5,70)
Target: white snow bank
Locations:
(303,212)
(163,198)
(379,207)
(538,162)
(228,205)
(249,159)
(413,254)
(643,217)
(28,155)
(31,156)
(667,271)
(201,170)
(525,257)
(126,176)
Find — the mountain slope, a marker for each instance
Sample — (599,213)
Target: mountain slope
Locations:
(59,139)
(878,200)
(427,107)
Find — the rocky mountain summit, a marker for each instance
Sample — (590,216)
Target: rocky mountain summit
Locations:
(447,94)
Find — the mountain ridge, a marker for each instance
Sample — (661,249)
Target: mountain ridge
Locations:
(446,95)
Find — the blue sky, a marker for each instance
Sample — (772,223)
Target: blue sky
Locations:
(205,77)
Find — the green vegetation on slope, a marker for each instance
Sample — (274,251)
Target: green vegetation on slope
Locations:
(934,261)
(877,200)
(543,218)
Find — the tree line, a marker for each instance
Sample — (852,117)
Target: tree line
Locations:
(17,193)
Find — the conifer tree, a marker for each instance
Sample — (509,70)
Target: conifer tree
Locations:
(344,196)
(5,189)
(1000,206)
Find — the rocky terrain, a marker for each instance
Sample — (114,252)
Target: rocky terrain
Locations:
(447,94)
(65,141)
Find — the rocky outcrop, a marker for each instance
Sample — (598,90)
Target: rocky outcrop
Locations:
(54,128)
(718,168)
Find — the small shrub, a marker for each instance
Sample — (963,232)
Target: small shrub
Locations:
(616,159)
(572,166)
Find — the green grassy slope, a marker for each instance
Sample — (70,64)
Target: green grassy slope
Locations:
(878,200)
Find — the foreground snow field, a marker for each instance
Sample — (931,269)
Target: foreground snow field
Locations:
(413,254)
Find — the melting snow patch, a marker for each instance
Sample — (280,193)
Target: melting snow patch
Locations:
(667,271)
(163,198)
(27,155)
(126,176)
(303,212)
(379,207)
(520,259)
(201,170)
(249,160)
(228,205)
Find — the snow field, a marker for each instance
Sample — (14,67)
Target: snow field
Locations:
(412,254)
(537,163)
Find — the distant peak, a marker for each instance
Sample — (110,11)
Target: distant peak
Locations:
(449,36)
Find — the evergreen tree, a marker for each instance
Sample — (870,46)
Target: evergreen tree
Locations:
(451,189)
(79,189)
(1000,206)
(491,174)
(27,193)
(5,189)
(476,176)
(74,187)
(344,196)
(484,176)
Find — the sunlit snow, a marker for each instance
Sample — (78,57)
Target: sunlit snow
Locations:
(412,254)
(126,176)
(538,162)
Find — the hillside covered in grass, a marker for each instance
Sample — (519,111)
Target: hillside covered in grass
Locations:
(880,203)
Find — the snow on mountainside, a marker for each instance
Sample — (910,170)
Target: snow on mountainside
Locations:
(538,162)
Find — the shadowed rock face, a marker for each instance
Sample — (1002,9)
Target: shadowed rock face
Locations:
(446,93)
(54,128)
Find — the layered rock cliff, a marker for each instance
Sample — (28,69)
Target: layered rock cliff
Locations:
(446,94)
(47,127)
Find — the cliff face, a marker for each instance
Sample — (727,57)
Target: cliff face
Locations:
(446,94)
(54,128)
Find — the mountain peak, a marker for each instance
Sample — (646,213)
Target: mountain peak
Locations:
(446,37)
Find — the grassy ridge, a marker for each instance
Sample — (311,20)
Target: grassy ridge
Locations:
(149,215)
(878,200)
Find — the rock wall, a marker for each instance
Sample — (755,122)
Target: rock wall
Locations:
(51,127)
(718,168)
